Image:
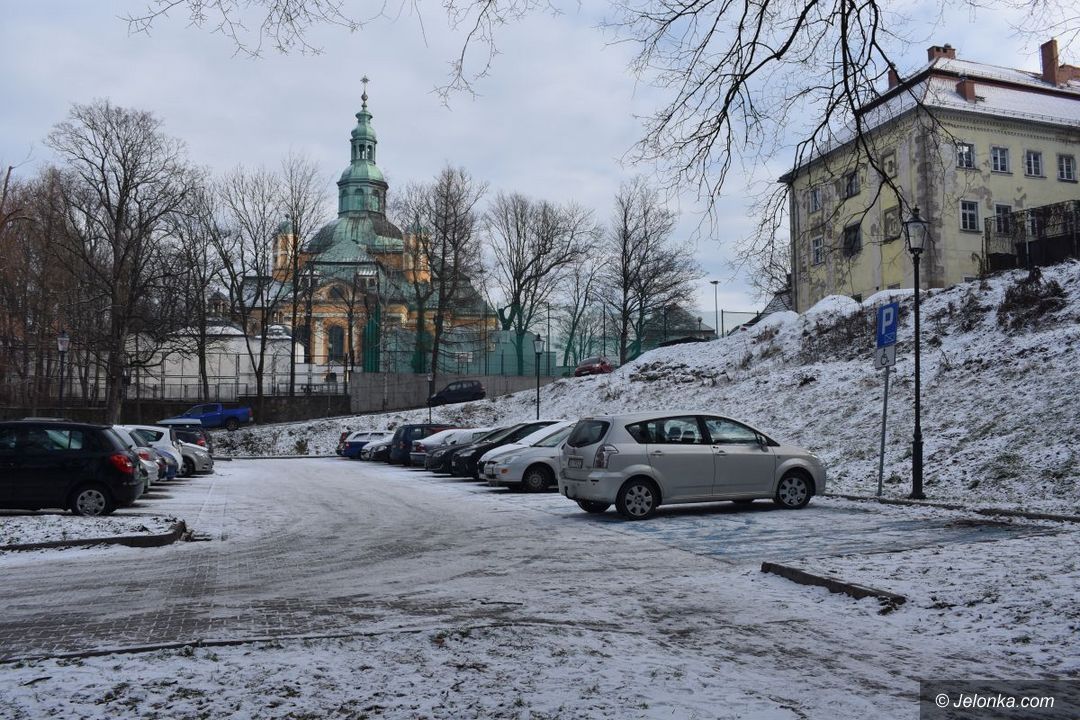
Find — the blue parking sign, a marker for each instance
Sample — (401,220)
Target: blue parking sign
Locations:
(887,319)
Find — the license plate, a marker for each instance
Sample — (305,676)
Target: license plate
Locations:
(575,462)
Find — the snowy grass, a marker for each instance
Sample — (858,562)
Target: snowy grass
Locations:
(999,414)
(23,529)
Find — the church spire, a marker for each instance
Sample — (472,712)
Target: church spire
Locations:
(362,187)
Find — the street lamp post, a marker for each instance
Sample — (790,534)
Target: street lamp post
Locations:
(538,346)
(915,231)
(716,307)
(63,342)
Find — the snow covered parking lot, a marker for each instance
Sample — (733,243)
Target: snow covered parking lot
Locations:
(335,588)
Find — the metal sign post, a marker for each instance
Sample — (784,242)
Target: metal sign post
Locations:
(885,357)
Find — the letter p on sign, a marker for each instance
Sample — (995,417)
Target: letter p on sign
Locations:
(887,320)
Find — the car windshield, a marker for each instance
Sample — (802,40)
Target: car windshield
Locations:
(500,434)
(556,437)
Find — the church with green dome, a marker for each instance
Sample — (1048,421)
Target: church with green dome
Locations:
(359,276)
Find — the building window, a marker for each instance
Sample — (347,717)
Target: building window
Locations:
(815,199)
(852,240)
(965,155)
(888,164)
(891,222)
(817,250)
(1067,168)
(1032,224)
(851,184)
(335,350)
(969,215)
(1003,219)
(999,159)
(1033,163)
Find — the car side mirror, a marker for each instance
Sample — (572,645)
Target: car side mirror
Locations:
(762,442)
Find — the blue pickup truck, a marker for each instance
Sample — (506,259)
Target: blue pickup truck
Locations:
(214,415)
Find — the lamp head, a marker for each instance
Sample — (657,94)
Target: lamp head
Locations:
(915,232)
(538,344)
(63,341)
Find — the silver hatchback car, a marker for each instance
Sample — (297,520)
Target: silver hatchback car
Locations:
(640,461)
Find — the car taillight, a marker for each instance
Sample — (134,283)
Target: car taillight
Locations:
(201,441)
(144,453)
(603,455)
(123,463)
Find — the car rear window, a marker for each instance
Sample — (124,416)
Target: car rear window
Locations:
(148,436)
(588,432)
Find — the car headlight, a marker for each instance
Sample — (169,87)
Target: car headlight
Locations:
(466,454)
(505,460)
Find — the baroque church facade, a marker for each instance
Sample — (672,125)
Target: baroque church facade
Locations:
(358,278)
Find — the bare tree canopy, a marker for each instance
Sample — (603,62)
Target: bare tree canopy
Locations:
(534,244)
(124,178)
(646,269)
(740,76)
(442,256)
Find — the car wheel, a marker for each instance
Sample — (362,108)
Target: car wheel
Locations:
(189,467)
(91,501)
(637,499)
(537,478)
(794,490)
(593,506)
(231,424)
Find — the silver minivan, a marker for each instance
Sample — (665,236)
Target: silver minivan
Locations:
(643,460)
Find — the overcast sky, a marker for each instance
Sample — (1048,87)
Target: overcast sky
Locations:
(553,120)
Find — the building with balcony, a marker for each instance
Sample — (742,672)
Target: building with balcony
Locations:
(968,144)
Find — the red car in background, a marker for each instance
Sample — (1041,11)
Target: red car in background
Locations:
(593,366)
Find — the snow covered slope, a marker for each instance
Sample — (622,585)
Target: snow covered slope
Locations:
(1000,380)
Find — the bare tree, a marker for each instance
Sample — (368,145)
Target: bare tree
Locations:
(645,268)
(126,177)
(576,323)
(198,231)
(251,201)
(448,223)
(414,203)
(304,191)
(534,244)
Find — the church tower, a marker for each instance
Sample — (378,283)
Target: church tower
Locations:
(362,187)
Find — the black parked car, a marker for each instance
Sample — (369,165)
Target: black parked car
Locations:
(401,443)
(460,391)
(54,464)
(465,461)
(438,459)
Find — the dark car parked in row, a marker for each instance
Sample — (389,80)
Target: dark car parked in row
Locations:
(59,464)
(403,438)
(460,391)
(465,461)
(438,459)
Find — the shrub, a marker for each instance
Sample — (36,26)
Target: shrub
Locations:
(1028,300)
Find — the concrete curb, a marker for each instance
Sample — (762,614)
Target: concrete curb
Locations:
(175,533)
(833,584)
(1002,512)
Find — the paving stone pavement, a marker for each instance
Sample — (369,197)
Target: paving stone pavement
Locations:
(321,546)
